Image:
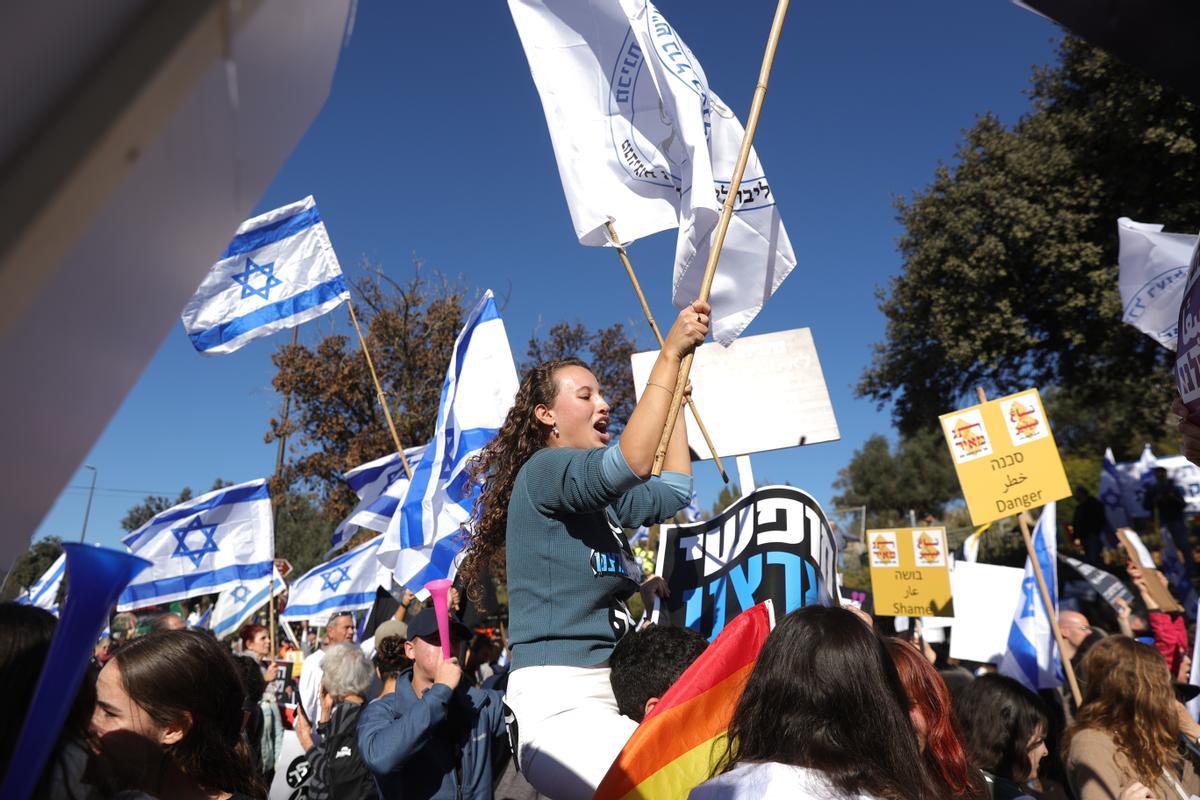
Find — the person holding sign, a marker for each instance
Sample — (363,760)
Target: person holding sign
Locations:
(551,513)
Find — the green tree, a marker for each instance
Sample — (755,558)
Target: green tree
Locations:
(917,475)
(1010,257)
(302,532)
(31,565)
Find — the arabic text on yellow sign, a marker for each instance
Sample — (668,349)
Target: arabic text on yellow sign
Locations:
(1005,456)
(910,572)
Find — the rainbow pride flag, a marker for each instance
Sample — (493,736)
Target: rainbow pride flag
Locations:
(676,747)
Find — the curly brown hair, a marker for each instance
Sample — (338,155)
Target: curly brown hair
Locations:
(1128,695)
(496,468)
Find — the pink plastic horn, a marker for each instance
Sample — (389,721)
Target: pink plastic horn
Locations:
(440,589)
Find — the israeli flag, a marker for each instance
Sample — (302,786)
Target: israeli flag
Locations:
(692,512)
(238,603)
(203,546)
(423,539)
(347,583)
(44,591)
(380,486)
(1111,494)
(1032,656)
(1154,270)
(279,270)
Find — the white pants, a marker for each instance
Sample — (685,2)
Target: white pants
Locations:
(568,728)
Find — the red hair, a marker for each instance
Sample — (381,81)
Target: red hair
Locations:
(250,631)
(944,755)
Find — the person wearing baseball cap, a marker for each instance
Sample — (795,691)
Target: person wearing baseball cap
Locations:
(434,737)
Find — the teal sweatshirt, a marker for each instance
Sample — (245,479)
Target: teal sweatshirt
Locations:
(570,568)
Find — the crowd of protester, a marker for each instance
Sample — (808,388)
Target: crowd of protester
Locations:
(837,706)
(832,709)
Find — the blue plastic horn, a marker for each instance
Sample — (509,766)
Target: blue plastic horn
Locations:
(96,578)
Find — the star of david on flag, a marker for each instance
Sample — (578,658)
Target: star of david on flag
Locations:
(346,583)
(203,546)
(423,538)
(1032,656)
(196,554)
(279,270)
(237,604)
(248,288)
(334,578)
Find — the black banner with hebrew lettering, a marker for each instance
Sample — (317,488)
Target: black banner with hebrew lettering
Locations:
(774,544)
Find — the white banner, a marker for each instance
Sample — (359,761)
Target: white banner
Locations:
(643,141)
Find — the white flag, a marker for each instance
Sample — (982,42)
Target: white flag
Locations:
(1032,656)
(236,604)
(347,583)
(424,537)
(380,486)
(1154,269)
(44,591)
(205,545)
(635,128)
(279,270)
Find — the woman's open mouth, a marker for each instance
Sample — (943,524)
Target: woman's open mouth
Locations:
(601,427)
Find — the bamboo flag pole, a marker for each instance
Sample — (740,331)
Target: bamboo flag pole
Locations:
(287,405)
(387,412)
(1044,590)
(637,288)
(1041,581)
(735,184)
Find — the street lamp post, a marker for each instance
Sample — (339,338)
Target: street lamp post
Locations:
(88,509)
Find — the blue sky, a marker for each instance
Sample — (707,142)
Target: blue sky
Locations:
(433,144)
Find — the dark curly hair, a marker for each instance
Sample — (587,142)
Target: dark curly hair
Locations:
(496,468)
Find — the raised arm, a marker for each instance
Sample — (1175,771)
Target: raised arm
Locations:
(639,440)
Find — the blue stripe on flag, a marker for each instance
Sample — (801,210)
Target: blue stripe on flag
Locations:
(269,234)
(338,601)
(1025,655)
(49,582)
(242,494)
(444,551)
(287,307)
(196,580)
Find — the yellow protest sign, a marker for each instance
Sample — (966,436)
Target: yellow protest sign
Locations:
(910,572)
(1005,456)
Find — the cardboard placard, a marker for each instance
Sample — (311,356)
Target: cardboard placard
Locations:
(910,572)
(775,376)
(1138,554)
(1005,456)
(985,598)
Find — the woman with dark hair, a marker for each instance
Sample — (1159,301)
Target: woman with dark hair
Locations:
(823,717)
(168,720)
(1004,729)
(1124,742)
(932,718)
(25,635)
(554,502)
